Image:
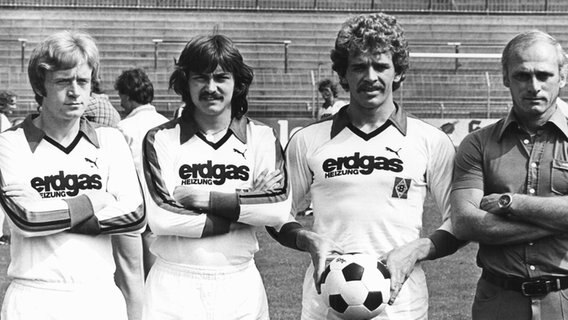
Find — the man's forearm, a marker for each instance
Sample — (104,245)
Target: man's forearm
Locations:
(495,230)
(544,212)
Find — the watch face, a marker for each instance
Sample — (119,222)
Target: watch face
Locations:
(504,200)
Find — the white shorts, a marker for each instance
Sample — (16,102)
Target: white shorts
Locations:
(175,292)
(33,300)
(411,303)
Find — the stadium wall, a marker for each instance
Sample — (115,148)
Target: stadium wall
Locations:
(434,87)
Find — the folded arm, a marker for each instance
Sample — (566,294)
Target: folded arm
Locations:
(471,222)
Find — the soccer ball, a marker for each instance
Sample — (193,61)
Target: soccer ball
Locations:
(356,286)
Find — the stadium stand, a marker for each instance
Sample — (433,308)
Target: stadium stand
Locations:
(150,35)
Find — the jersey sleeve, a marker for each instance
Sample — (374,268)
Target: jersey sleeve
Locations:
(165,215)
(439,176)
(300,173)
(300,182)
(300,177)
(115,210)
(260,208)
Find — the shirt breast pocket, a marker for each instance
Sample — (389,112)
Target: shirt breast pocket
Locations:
(559,176)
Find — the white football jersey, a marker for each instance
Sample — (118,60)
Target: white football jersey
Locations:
(368,189)
(176,153)
(62,237)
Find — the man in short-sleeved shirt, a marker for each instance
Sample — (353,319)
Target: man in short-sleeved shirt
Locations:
(510,187)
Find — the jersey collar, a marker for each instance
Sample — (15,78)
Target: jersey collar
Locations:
(34,135)
(557,119)
(188,128)
(398,119)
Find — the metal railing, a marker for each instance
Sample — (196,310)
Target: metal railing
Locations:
(486,6)
(284,43)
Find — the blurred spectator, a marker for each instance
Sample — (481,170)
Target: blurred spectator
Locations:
(331,105)
(8,101)
(100,109)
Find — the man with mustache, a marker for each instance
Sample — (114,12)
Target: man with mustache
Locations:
(213,175)
(510,186)
(367,171)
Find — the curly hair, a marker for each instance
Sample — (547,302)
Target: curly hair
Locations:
(136,85)
(375,33)
(203,54)
(7,97)
(326,83)
(60,51)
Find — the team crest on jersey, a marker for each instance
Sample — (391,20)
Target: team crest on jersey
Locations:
(400,188)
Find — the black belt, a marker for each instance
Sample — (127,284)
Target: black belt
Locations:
(528,287)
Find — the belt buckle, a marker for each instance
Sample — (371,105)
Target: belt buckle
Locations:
(536,288)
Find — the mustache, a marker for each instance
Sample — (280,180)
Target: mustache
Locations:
(370,87)
(210,95)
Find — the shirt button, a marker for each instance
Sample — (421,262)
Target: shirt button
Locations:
(531,191)
(533,164)
(526,141)
(532,267)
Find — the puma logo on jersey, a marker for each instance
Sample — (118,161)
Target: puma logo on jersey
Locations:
(241,153)
(207,173)
(393,151)
(63,185)
(357,164)
(93,163)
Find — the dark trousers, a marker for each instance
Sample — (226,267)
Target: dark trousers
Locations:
(495,303)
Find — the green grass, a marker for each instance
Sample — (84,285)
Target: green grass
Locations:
(451,280)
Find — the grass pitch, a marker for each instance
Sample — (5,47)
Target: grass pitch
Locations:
(451,280)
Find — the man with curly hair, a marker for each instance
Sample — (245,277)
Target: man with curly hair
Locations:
(367,171)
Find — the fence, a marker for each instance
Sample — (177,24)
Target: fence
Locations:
(284,43)
(482,6)
(480,95)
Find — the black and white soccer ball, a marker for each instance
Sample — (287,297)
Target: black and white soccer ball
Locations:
(356,286)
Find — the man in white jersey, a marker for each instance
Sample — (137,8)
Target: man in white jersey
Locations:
(66,186)
(367,171)
(136,93)
(203,172)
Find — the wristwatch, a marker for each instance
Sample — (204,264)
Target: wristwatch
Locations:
(505,201)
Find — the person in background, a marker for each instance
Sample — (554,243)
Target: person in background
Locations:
(100,110)
(367,171)
(136,93)
(206,173)
(66,186)
(8,102)
(331,104)
(510,189)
